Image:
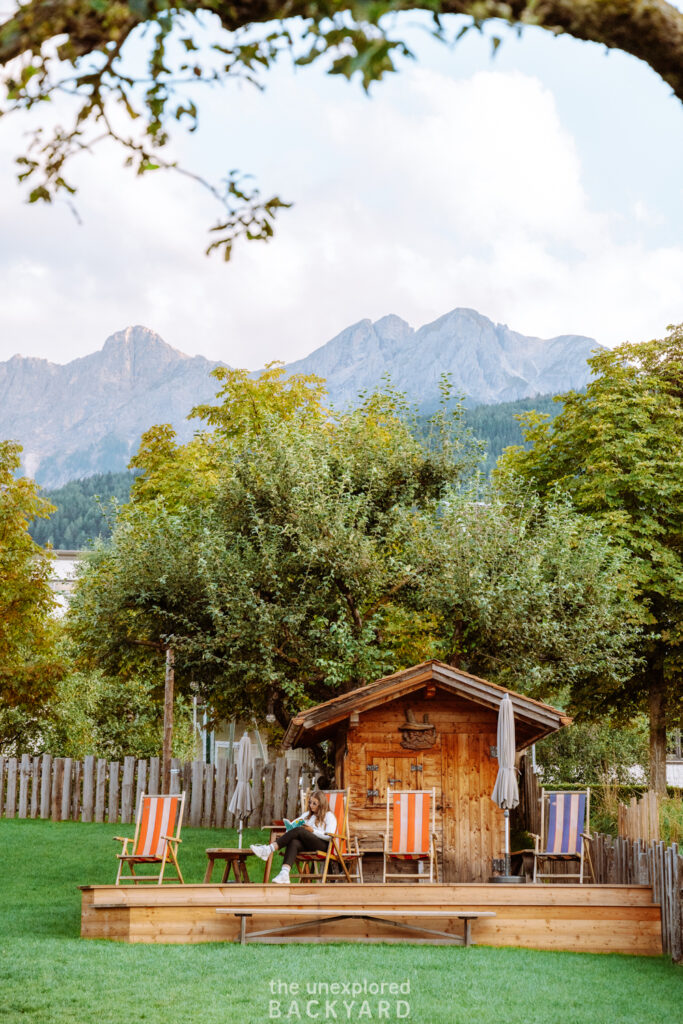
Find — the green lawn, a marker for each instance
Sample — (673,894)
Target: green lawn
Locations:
(48,975)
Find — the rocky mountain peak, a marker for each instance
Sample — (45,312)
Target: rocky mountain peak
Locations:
(87,416)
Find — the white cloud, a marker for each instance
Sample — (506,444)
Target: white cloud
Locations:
(436,193)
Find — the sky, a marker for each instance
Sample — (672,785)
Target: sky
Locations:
(542,187)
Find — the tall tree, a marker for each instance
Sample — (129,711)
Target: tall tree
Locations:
(617,450)
(530,596)
(89,51)
(329,551)
(283,571)
(28,666)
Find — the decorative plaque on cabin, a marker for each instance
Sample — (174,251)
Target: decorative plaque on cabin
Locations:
(417,735)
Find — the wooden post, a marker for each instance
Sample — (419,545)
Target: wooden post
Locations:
(88,787)
(168,720)
(208,795)
(24,776)
(127,789)
(113,811)
(100,787)
(11,800)
(45,785)
(176,772)
(35,788)
(153,780)
(196,796)
(66,790)
(221,785)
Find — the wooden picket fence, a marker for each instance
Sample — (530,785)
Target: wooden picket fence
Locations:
(640,820)
(641,862)
(63,789)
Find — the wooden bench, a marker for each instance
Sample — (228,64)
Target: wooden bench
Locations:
(380,916)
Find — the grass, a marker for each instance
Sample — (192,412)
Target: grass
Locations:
(48,975)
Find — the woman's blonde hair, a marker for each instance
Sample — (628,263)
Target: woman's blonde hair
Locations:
(323,806)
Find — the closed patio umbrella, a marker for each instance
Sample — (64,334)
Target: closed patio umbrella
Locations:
(241,804)
(506,792)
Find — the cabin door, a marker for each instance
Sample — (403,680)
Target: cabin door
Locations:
(472,823)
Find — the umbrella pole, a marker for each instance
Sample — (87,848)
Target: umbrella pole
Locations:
(239,833)
(506,814)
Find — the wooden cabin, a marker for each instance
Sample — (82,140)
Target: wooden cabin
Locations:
(428,726)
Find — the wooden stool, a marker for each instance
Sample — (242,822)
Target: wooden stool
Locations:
(234,858)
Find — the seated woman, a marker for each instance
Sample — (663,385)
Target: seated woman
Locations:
(319,824)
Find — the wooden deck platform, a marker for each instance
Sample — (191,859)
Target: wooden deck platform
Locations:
(578,918)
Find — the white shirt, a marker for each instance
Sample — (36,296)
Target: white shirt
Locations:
(327,829)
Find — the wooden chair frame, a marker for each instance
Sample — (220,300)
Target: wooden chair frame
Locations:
(335,853)
(541,855)
(409,854)
(170,851)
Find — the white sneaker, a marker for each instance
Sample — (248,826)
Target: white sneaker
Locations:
(282,878)
(263,852)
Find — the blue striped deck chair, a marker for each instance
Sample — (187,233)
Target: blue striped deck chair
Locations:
(564,833)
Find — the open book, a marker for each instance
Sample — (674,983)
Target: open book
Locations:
(294,824)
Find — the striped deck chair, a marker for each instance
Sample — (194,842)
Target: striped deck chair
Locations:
(343,852)
(157,834)
(564,829)
(411,831)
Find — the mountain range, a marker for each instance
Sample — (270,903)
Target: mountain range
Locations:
(86,416)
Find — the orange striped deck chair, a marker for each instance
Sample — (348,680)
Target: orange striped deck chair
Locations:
(411,831)
(341,852)
(157,834)
(564,832)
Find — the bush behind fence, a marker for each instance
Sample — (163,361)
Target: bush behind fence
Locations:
(63,789)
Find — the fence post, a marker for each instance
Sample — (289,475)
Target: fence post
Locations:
(267,814)
(154,776)
(45,784)
(57,785)
(208,795)
(100,788)
(196,793)
(35,788)
(88,787)
(76,791)
(256,816)
(279,807)
(113,803)
(24,776)
(221,780)
(11,800)
(175,775)
(127,790)
(66,789)
(293,790)
(142,781)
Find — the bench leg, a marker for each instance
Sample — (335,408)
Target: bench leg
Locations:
(468,931)
(209,871)
(243,928)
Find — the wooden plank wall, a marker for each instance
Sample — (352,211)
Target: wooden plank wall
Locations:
(595,919)
(63,789)
(459,766)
